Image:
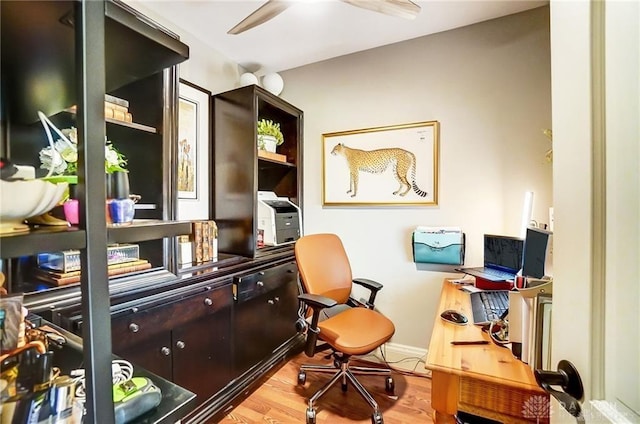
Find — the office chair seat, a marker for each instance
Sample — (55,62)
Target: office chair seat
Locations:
(347,329)
(356,331)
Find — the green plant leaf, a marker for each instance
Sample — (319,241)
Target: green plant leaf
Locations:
(268,127)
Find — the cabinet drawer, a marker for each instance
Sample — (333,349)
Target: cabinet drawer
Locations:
(257,283)
(142,324)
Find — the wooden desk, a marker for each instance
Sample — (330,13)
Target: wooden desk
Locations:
(484,380)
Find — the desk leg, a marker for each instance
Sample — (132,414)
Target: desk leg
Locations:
(444,396)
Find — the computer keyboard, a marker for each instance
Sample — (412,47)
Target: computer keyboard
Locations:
(489,305)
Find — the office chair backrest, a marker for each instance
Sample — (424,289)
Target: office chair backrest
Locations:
(324,266)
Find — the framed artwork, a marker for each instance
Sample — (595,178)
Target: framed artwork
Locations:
(387,166)
(193,151)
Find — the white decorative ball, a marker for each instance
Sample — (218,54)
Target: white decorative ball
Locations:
(273,83)
(247,79)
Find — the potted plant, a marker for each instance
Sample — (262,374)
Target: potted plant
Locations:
(269,135)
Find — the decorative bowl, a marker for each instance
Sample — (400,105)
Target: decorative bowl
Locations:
(24,199)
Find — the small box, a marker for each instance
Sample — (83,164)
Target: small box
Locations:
(65,261)
(69,260)
(185,256)
(120,253)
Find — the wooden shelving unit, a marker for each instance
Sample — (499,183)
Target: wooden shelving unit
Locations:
(76,52)
(241,170)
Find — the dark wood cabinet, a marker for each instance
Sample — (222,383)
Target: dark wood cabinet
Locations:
(187,341)
(202,354)
(153,354)
(239,172)
(264,313)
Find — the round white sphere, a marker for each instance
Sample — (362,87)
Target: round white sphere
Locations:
(247,79)
(273,83)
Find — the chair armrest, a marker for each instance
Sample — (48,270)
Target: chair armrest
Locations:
(373,286)
(316,301)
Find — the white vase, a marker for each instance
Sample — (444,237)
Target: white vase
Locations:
(267,142)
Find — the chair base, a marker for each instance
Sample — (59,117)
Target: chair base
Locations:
(345,374)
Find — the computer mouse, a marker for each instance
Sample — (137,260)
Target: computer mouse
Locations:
(454,317)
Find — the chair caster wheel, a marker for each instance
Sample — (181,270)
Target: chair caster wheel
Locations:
(389,386)
(376,418)
(302,378)
(344,387)
(311,416)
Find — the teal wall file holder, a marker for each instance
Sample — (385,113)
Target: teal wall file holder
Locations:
(433,245)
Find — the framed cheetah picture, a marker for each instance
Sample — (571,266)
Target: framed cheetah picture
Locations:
(384,166)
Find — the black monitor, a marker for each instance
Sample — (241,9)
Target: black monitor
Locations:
(535,255)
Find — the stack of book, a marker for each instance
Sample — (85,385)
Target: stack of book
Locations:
(204,239)
(117,108)
(114,108)
(60,278)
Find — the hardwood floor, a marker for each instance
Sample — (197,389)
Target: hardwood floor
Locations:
(281,400)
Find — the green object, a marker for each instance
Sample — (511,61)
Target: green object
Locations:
(71,179)
(268,127)
(133,398)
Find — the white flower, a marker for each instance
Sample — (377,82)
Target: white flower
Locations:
(63,157)
(111,156)
(50,158)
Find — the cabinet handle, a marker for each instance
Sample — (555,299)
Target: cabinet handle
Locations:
(180,344)
(208,301)
(271,302)
(134,328)
(277,299)
(261,273)
(260,284)
(165,351)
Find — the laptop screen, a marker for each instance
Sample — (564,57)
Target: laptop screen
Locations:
(503,252)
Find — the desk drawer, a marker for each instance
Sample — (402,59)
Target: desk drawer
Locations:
(257,283)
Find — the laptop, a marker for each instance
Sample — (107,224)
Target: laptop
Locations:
(502,258)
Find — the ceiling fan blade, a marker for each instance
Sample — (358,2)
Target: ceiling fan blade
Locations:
(269,10)
(401,8)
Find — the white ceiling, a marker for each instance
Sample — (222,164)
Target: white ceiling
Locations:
(314,30)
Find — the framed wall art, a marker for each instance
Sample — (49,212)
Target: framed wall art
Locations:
(386,166)
(193,151)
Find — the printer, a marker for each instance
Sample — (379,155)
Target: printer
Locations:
(278,218)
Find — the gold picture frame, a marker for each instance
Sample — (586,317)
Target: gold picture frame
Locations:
(385,166)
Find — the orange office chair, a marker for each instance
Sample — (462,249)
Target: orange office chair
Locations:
(326,279)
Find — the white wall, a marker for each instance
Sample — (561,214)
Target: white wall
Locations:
(489,87)
(205,67)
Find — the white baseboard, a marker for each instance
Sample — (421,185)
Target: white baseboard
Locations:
(401,357)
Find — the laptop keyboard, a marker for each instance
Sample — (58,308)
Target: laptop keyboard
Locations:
(489,305)
(504,275)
